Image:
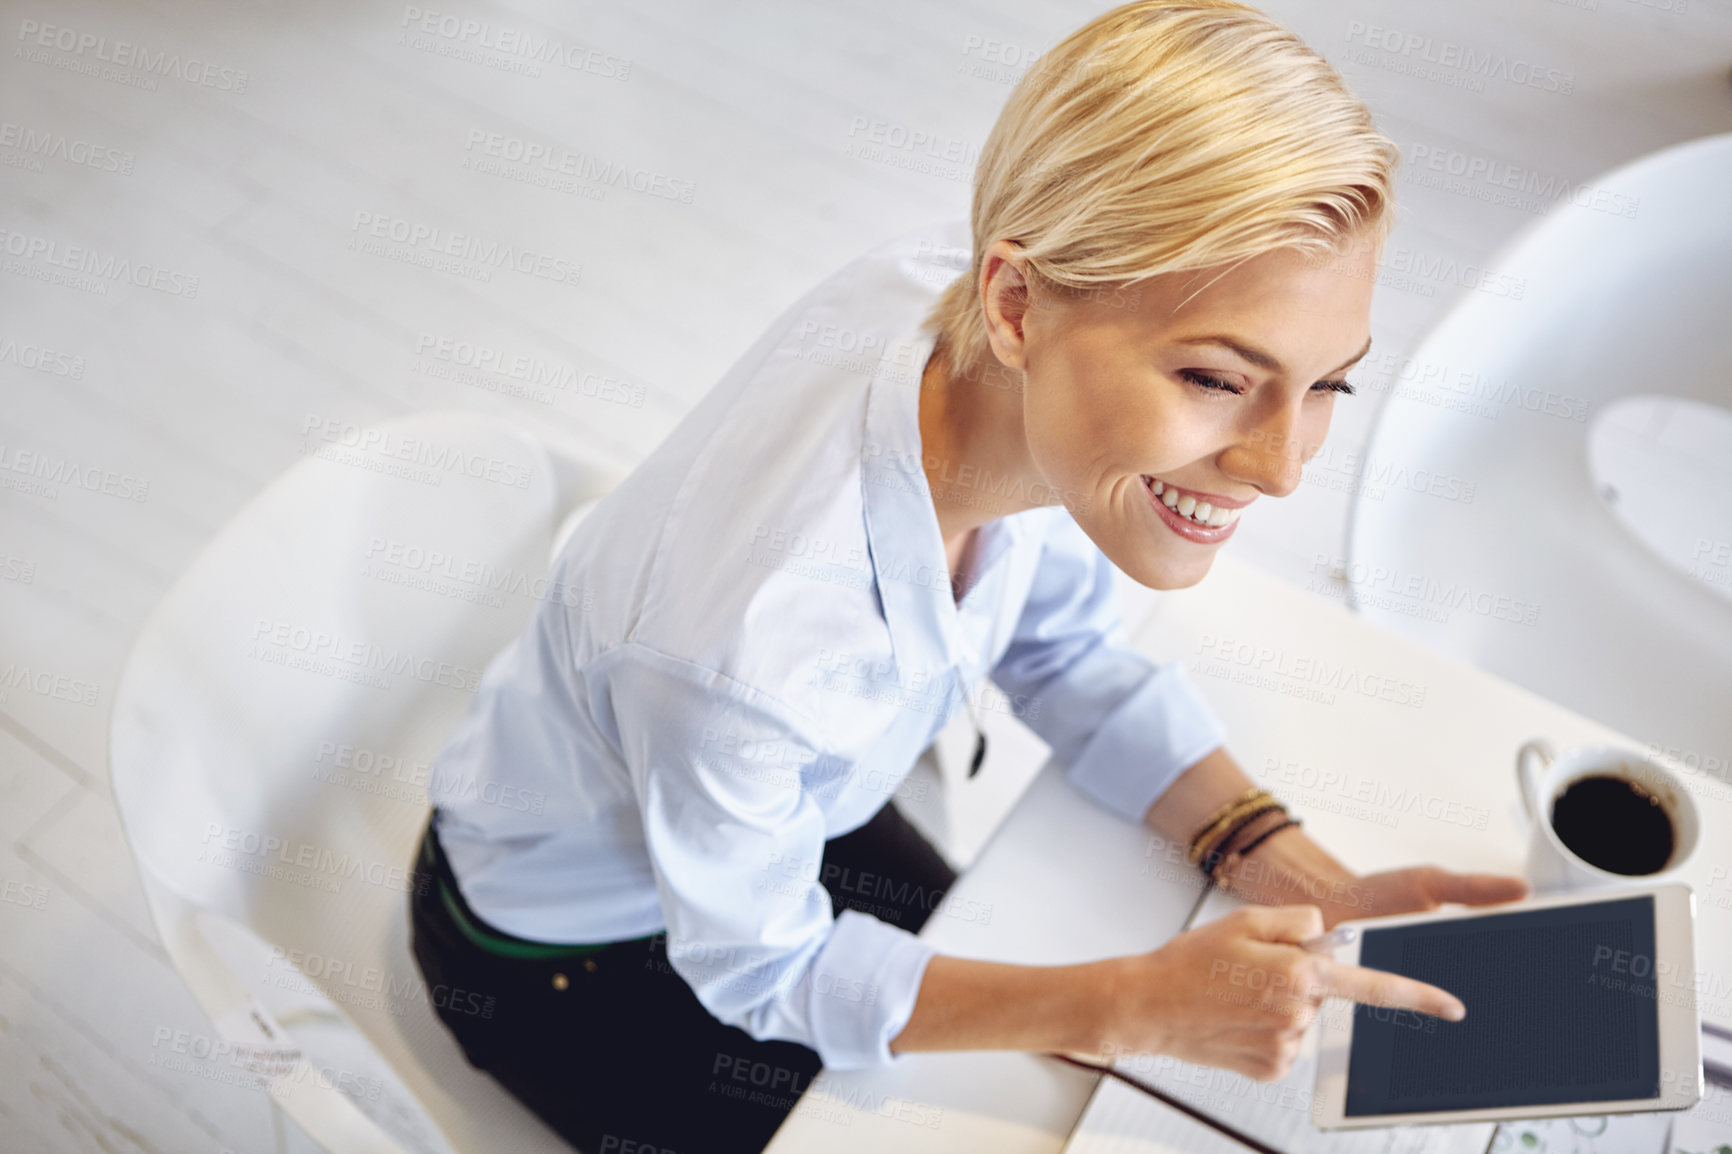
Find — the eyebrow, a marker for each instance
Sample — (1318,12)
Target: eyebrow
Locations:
(1260,358)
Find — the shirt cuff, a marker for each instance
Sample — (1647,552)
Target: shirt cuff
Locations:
(1158,732)
(864,982)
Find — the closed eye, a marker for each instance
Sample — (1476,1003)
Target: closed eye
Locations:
(1206,381)
(1216,384)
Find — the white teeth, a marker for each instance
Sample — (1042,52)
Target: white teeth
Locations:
(1189,507)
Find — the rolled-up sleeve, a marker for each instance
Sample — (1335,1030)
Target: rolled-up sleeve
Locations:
(736,843)
(1124,725)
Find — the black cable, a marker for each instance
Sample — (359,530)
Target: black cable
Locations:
(1183,1107)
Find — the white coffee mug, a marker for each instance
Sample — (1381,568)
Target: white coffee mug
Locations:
(1542,775)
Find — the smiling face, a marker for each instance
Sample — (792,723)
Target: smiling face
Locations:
(1214,395)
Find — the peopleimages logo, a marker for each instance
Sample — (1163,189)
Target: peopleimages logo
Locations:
(58,146)
(473,362)
(1278,667)
(436,459)
(87,261)
(41,359)
(248,850)
(52,471)
(272,640)
(430,241)
(88,45)
(471,571)
(575,164)
(514,42)
(1489,178)
(1365,580)
(1478,64)
(47,683)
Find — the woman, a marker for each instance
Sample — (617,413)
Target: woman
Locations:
(919,479)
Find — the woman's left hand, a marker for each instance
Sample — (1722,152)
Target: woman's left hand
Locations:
(1416,889)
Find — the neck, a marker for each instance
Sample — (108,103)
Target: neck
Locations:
(972,439)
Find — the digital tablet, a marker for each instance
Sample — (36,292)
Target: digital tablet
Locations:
(1581,1003)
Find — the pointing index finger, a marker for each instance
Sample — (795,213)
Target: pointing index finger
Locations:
(1381,988)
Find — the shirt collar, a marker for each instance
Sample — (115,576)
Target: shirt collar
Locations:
(902,532)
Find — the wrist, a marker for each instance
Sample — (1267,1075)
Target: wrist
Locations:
(1288,868)
(1104,992)
(964,1004)
(1218,855)
(1242,840)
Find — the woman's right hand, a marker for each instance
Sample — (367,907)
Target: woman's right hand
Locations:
(1239,993)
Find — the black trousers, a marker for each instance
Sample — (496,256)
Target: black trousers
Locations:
(611,1048)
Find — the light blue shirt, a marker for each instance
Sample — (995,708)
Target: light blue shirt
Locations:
(767,641)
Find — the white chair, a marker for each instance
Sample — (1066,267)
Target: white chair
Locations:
(269,746)
(1625,287)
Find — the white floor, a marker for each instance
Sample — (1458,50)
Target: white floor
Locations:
(302,120)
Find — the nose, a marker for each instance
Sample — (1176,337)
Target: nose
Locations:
(1270,453)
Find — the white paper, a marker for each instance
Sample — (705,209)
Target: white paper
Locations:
(1121,1119)
(1589,1134)
(1705,1128)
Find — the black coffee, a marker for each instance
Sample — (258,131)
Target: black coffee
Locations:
(1615,824)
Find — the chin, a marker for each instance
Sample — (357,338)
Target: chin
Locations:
(1170,573)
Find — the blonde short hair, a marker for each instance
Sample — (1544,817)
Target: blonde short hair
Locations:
(1168,135)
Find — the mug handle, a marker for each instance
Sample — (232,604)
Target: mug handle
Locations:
(1541,748)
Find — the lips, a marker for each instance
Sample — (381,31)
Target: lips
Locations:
(1181,514)
(1204,509)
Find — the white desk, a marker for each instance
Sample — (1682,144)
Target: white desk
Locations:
(1068,881)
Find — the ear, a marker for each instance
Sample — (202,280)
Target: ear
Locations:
(1005,300)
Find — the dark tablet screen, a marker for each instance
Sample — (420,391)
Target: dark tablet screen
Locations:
(1560,1008)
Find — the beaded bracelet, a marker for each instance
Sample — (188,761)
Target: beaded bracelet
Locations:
(1212,849)
(1222,816)
(1235,821)
(1217,845)
(1221,812)
(1226,864)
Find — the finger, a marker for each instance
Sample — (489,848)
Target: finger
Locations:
(1088,1059)
(1284,923)
(1479,889)
(1381,988)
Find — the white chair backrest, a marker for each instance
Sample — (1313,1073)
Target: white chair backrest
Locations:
(277,716)
(286,696)
(1477,529)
